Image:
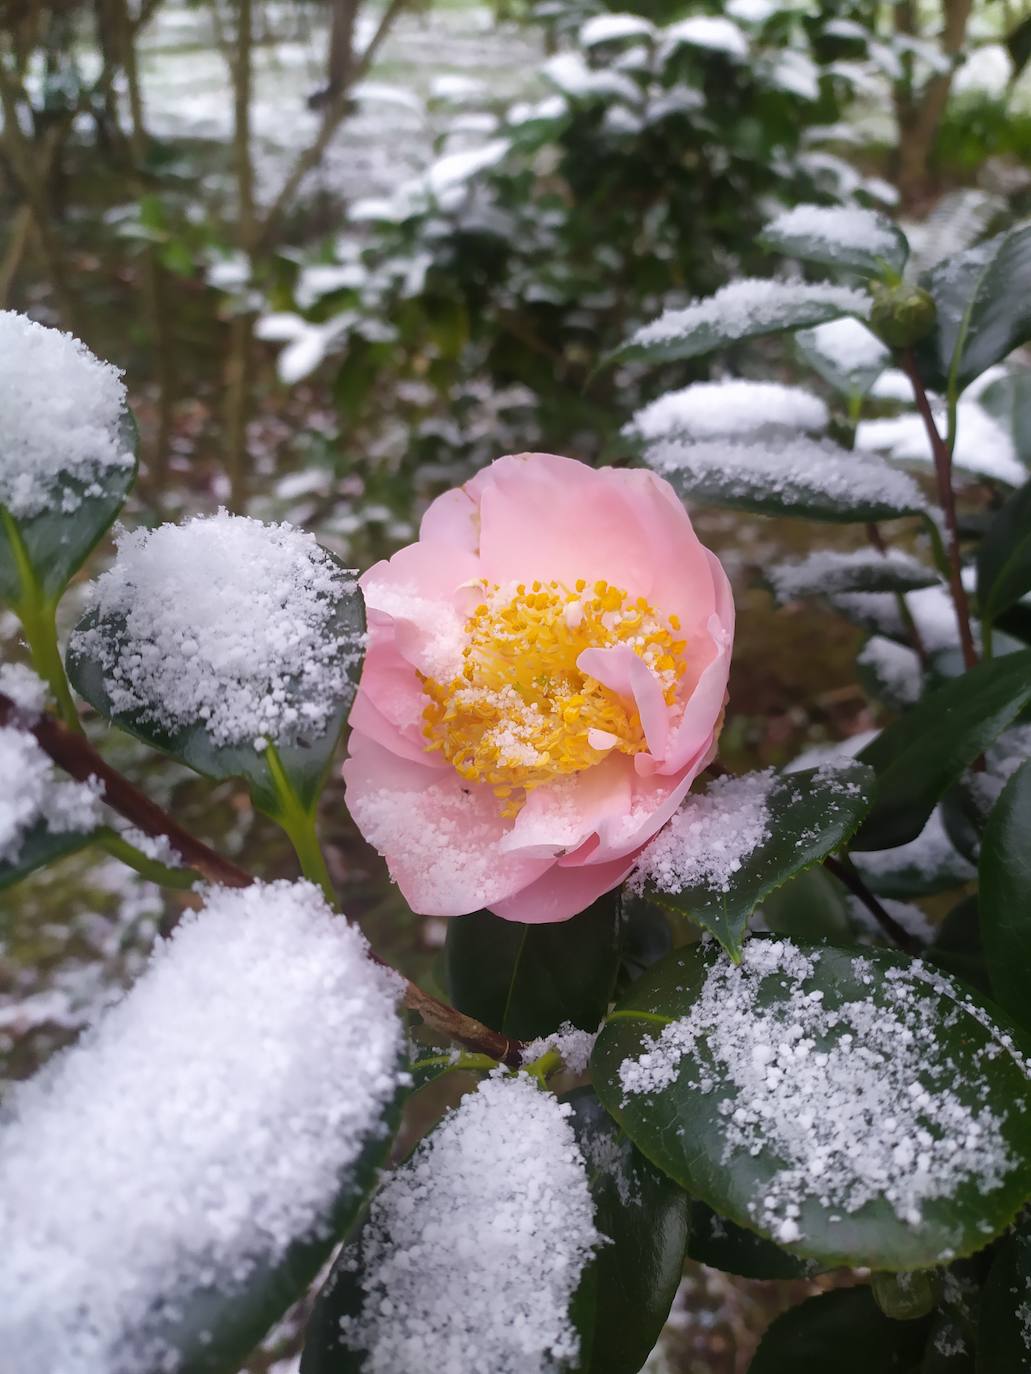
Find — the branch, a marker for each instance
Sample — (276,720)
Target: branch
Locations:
(846,875)
(947,501)
(75,754)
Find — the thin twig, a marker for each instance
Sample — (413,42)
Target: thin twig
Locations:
(947,501)
(846,875)
(77,757)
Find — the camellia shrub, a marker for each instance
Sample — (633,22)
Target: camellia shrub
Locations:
(775,1022)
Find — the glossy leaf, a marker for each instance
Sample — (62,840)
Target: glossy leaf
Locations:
(55,542)
(983,300)
(39,848)
(526,980)
(838,371)
(305,761)
(1004,556)
(844,1331)
(683,1129)
(626,1292)
(844,256)
(1005,895)
(922,753)
(811,813)
(1004,1345)
(810,906)
(865,571)
(720,1244)
(916,870)
(1008,400)
(957,946)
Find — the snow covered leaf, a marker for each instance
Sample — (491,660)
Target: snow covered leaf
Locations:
(983,300)
(729,408)
(828,571)
(1005,895)
(813,479)
(614,28)
(526,980)
(858,1109)
(845,354)
(744,309)
(720,1244)
(1003,1340)
(1004,556)
(1008,401)
(712,32)
(217,639)
(627,1290)
(472,1251)
(39,847)
(921,754)
(890,672)
(845,1331)
(930,863)
(848,237)
(67,455)
(729,847)
(228,1117)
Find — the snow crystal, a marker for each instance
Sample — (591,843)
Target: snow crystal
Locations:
(750,306)
(848,227)
(729,407)
(895,666)
(223,620)
(847,345)
(204,1123)
(575,1047)
(983,446)
(829,570)
(852,1098)
(60,415)
(707,31)
(474,1247)
(25,689)
(797,470)
(710,837)
(34,794)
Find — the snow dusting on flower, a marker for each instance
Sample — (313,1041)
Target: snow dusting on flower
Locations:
(35,795)
(853,1098)
(227,621)
(710,837)
(60,415)
(205,1122)
(475,1246)
(728,407)
(752,306)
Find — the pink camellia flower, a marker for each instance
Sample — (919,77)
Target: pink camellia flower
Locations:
(545,677)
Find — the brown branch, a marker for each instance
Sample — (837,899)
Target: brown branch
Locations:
(75,754)
(848,877)
(947,501)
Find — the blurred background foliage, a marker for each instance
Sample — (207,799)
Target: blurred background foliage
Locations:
(348,252)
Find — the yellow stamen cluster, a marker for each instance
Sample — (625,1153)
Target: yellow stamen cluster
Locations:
(521,711)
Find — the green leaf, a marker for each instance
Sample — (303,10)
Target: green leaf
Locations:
(1005,895)
(1004,556)
(926,866)
(1008,400)
(861,570)
(983,300)
(215,1328)
(833,249)
(41,847)
(526,980)
(1004,1339)
(55,543)
(957,946)
(811,814)
(919,755)
(305,760)
(810,906)
(852,376)
(718,1243)
(627,1290)
(682,1124)
(812,479)
(743,310)
(844,1331)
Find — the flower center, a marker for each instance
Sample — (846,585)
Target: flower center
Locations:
(521,713)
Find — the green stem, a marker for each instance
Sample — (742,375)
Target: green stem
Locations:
(38,617)
(151,869)
(460,1062)
(299,824)
(543,1067)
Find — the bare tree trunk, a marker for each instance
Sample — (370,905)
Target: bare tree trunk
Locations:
(920,113)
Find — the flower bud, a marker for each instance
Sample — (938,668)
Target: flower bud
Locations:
(907,1296)
(902,315)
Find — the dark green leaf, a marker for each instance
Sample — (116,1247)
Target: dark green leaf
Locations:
(844,1331)
(1005,897)
(926,866)
(696,331)
(836,368)
(1004,556)
(682,1126)
(983,299)
(957,946)
(1004,1338)
(57,541)
(626,1292)
(810,906)
(1008,400)
(781,237)
(919,755)
(39,848)
(305,760)
(1018,43)
(526,980)
(718,1243)
(889,671)
(865,570)
(812,813)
